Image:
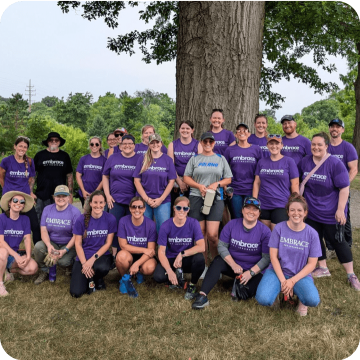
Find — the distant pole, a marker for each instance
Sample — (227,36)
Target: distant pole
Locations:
(30,92)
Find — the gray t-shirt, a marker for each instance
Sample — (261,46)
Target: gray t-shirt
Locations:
(206,170)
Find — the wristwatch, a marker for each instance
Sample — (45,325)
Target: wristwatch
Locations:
(183,253)
(96,256)
(252,273)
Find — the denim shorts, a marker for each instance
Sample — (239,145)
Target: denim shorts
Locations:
(11,260)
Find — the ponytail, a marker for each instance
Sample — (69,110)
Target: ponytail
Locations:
(148,159)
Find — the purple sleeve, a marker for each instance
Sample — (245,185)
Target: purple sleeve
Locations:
(293,170)
(44,216)
(265,237)
(136,173)
(2,225)
(274,238)
(307,146)
(80,165)
(4,163)
(163,235)
(259,154)
(79,226)
(107,167)
(112,225)
(315,247)
(258,167)
(198,235)
(121,233)
(341,175)
(152,236)
(76,215)
(27,226)
(164,149)
(231,137)
(352,154)
(227,155)
(172,171)
(225,235)
(32,168)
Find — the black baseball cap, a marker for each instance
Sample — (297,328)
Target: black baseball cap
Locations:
(287,117)
(242,124)
(338,122)
(250,200)
(207,135)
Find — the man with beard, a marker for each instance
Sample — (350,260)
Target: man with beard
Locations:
(53,167)
(295,146)
(346,152)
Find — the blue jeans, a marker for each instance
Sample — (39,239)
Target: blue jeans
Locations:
(270,287)
(161,213)
(237,202)
(119,211)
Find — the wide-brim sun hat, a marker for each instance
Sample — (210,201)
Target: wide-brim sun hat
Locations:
(29,201)
(54,134)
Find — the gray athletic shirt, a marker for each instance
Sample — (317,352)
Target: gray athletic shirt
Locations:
(206,170)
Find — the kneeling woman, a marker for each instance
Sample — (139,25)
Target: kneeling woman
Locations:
(13,228)
(181,244)
(137,239)
(94,231)
(294,250)
(243,249)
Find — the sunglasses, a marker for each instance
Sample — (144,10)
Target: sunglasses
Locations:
(54,140)
(207,141)
(274,136)
(179,208)
(96,144)
(134,207)
(15,201)
(119,134)
(252,202)
(241,130)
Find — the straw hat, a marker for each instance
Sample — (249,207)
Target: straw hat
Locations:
(29,201)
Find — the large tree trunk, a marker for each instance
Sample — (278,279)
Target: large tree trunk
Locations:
(218,62)
(356,138)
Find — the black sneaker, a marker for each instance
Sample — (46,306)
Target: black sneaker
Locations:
(100,285)
(200,302)
(190,292)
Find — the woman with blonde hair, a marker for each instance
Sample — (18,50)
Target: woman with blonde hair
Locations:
(142,147)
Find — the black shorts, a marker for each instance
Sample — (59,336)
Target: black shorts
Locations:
(197,202)
(136,257)
(275,215)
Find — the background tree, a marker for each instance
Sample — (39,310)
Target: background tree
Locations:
(50,101)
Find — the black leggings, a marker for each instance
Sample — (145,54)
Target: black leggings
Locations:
(342,250)
(219,266)
(79,283)
(194,264)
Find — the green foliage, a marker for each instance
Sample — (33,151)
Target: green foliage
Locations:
(321,111)
(39,108)
(98,127)
(50,101)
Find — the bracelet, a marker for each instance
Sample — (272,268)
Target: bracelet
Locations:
(67,250)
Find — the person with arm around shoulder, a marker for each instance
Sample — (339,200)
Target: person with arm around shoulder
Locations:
(57,225)
(294,250)
(14,228)
(181,244)
(94,232)
(243,253)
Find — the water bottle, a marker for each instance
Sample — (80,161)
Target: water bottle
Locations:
(52,273)
(180,277)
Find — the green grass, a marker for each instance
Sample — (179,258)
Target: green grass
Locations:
(355,184)
(45,322)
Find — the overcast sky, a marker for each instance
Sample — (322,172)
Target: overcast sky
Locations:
(63,53)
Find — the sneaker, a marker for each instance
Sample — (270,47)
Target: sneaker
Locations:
(139,278)
(130,286)
(41,278)
(276,304)
(100,285)
(320,272)
(190,292)
(354,282)
(200,302)
(301,309)
(122,287)
(204,273)
(3,291)
(8,276)
(330,254)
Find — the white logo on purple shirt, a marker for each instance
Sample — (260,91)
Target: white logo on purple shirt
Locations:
(17,173)
(244,245)
(316,177)
(297,243)
(244,158)
(58,221)
(136,239)
(124,167)
(93,167)
(97,232)
(157,168)
(291,148)
(13,232)
(180,241)
(272,172)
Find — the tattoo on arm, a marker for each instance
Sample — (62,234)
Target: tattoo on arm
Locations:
(70,181)
(31,183)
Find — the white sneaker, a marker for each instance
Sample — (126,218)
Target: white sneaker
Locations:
(204,273)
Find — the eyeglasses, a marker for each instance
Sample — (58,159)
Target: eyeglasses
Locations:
(23,137)
(208,141)
(119,134)
(15,201)
(134,207)
(241,130)
(179,208)
(128,144)
(274,136)
(96,144)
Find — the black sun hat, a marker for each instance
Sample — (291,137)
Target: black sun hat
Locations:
(54,134)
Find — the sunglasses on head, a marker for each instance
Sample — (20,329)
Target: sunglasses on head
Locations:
(96,144)
(252,202)
(134,207)
(179,208)
(15,201)
(119,134)
(23,137)
(274,136)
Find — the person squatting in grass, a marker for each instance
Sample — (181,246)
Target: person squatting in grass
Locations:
(243,250)
(17,173)
(276,177)
(94,231)
(57,225)
(181,244)
(15,227)
(137,239)
(154,177)
(327,193)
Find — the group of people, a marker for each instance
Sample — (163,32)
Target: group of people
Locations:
(287,197)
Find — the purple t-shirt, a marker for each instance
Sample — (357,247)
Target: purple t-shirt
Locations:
(177,239)
(275,179)
(322,189)
(262,142)
(142,148)
(222,141)
(60,224)
(91,170)
(243,163)
(15,177)
(140,235)
(116,150)
(14,230)
(246,248)
(295,247)
(155,179)
(120,170)
(97,232)
(183,153)
(346,152)
(296,148)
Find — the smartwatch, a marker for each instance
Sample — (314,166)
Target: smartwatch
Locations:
(96,256)
(183,253)
(252,273)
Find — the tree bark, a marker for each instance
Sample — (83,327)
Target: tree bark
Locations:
(218,62)
(356,137)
